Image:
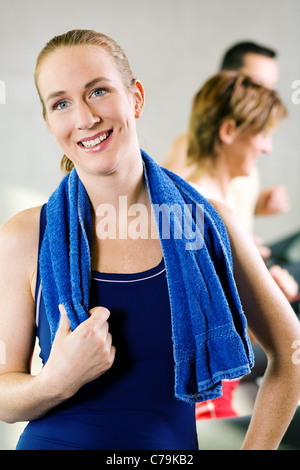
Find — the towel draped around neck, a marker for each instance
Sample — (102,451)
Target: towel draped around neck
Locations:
(209,329)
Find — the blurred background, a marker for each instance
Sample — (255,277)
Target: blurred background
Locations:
(173,46)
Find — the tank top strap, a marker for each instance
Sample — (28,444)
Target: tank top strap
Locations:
(43,223)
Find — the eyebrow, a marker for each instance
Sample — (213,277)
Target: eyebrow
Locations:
(58,94)
(55,94)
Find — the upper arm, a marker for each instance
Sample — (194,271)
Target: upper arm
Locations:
(269,314)
(18,260)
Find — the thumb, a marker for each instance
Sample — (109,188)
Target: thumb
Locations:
(64,324)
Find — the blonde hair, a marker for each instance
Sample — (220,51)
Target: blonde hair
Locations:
(78,37)
(225,96)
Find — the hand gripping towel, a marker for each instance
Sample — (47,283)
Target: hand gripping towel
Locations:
(209,329)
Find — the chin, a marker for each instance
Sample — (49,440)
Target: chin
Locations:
(99,165)
(102,170)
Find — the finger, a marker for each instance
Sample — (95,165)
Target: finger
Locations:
(96,324)
(99,314)
(64,324)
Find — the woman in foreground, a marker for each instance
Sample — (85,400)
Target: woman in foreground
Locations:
(134,325)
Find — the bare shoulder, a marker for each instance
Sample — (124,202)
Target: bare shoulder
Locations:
(24,224)
(230,218)
(241,241)
(224,211)
(19,238)
(176,157)
(181,139)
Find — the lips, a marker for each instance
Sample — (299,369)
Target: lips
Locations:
(94,141)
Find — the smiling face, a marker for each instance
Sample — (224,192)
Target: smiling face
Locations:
(89,111)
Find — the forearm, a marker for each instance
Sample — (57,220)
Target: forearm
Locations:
(25,397)
(275,406)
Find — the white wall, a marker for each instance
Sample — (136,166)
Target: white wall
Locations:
(173,47)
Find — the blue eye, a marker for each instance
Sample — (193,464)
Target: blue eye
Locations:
(99,92)
(61,105)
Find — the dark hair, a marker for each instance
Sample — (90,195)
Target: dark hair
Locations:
(234,57)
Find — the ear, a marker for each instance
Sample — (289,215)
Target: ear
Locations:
(227,131)
(139,98)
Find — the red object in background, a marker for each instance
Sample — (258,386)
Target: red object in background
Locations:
(220,407)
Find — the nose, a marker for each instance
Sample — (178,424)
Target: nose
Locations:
(86,117)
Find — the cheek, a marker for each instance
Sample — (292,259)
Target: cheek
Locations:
(255,143)
(122,111)
(59,128)
(248,148)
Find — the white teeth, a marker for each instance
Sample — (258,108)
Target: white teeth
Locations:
(92,143)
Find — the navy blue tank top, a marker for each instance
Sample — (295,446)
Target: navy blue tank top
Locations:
(132,406)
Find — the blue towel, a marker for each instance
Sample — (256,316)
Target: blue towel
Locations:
(65,261)
(209,329)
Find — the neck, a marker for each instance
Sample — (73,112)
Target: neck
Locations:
(127,180)
(213,177)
